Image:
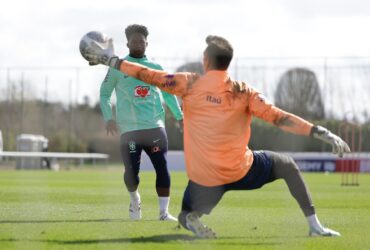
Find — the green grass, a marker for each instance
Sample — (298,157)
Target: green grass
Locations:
(88,209)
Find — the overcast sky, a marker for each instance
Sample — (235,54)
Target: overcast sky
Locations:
(46,33)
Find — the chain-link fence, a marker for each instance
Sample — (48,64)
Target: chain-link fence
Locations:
(49,100)
(344,82)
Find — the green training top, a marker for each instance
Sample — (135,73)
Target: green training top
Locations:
(139,105)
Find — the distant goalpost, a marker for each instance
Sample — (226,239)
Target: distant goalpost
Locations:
(349,166)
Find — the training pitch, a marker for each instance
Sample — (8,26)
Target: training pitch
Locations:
(88,209)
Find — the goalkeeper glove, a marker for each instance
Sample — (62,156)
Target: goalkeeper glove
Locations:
(339,146)
(98,54)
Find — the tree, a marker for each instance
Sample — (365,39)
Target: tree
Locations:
(195,67)
(298,92)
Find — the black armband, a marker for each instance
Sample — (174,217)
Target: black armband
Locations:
(317,130)
(115,62)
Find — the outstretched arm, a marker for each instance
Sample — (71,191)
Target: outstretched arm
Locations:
(172,102)
(294,124)
(176,84)
(261,108)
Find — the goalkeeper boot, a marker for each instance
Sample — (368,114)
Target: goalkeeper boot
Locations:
(135,209)
(198,228)
(323,231)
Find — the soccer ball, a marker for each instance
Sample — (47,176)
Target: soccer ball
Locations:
(87,46)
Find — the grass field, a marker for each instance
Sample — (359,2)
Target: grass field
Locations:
(88,209)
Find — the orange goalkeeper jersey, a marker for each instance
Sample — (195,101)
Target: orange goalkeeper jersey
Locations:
(217,118)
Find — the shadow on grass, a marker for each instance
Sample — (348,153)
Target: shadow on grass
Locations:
(165,238)
(65,221)
(142,239)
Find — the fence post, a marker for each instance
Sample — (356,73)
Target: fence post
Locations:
(350,165)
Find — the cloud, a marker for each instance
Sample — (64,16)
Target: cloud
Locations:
(46,33)
(42,30)
(327,8)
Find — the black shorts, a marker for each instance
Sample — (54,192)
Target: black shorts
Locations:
(203,199)
(154,143)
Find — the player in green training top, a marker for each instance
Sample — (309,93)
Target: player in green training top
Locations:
(140,117)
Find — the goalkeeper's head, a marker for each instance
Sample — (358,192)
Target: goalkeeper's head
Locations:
(136,39)
(218,54)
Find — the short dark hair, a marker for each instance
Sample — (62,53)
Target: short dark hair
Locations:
(136,28)
(219,51)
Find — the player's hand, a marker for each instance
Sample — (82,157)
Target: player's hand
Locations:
(339,146)
(100,54)
(111,127)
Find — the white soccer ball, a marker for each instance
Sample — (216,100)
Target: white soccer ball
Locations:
(87,47)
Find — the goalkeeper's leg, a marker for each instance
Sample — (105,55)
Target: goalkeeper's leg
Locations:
(284,167)
(199,200)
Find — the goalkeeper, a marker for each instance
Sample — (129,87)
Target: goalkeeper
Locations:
(217,117)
